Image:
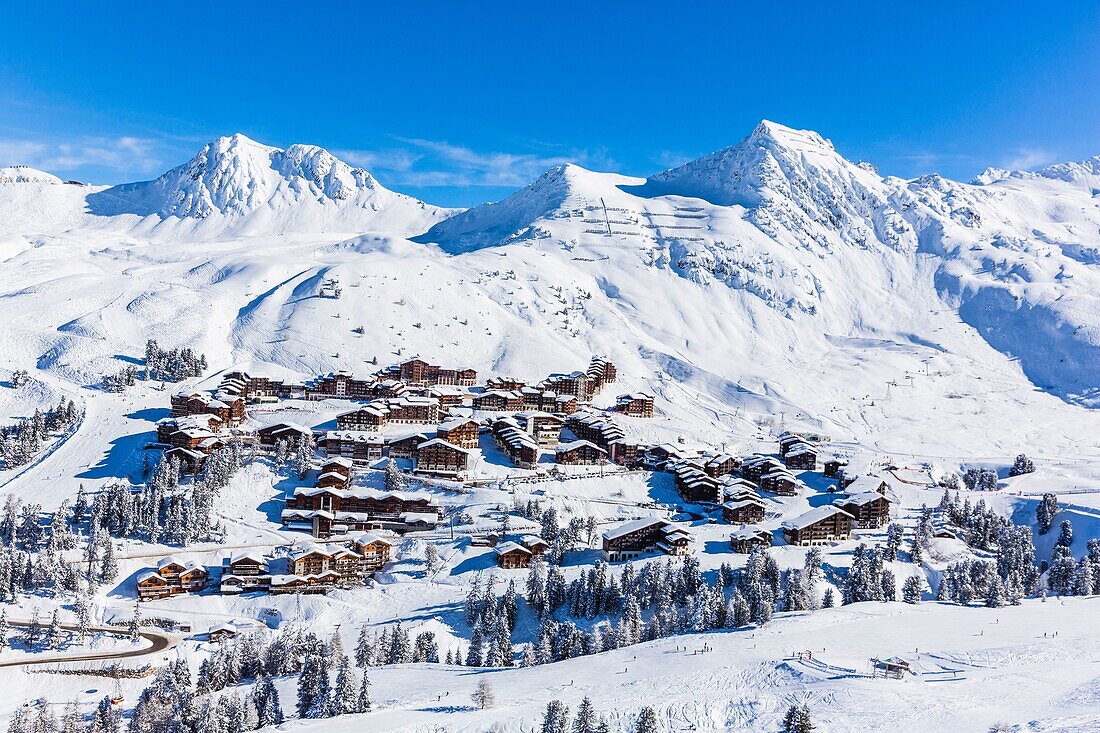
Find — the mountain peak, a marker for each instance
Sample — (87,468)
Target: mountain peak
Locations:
(233,177)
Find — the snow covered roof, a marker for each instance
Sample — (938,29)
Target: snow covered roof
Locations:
(741,503)
(575,444)
(441,442)
(368,538)
(506,547)
(633,526)
(750,532)
(814,516)
(860,499)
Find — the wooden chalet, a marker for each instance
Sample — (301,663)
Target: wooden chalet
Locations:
(542,426)
(375,550)
(819,526)
(325,511)
(516,443)
(869,509)
(190,461)
(755,466)
(601,371)
(342,385)
(416,371)
(368,417)
(463,432)
(504,384)
(633,539)
(636,404)
(151,586)
(722,464)
(781,482)
(743,540)
(834,467)
(172,577)
(692,482)
(437,457)
(512,555)
(405,446)
(290,432)
(357,445)
(745,511)
(576,384)
(801,456)
(498,401)
(579,453)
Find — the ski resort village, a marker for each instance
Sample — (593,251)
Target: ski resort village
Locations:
(764,442)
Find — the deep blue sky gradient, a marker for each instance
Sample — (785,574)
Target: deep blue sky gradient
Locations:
(461,102)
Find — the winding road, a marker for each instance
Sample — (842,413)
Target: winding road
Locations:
(159,642)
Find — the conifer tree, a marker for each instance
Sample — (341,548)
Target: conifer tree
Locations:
(483,695)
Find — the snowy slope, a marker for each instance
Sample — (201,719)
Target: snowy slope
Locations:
(25,174)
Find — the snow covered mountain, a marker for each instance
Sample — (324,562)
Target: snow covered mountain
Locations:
(234,186)
(783,216)
(774,276)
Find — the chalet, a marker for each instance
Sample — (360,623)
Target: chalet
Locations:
(447,395)
(834,467)
(338,465)
(659,456)
(600,372)
(172,577)
(462,432)
(359,446)
(227,407)
(437,457)
(743,540)
(692,482)
(818,526)
(625,453)
(781,482)
(734,488)
(512,555)
(505,384)
(333,480)
(309,559)
(745,511)
(535,544)
(290,432)
(498,401)
(579,453)
(632,539)
(405,446)
(637,404)
(252,385)
(416,371)
(327,511)
(721,465)
(369,417)
(787,441)
(221,632)
(595,428)
(542,426)
(341,384)
(519,446)
(869,509)
(801,456)
(247,564)
(576,384)
(411,409)
(375,550)
(562,404)
(756,465)
(190,461)
(169,426)
(151,586)
(867,484)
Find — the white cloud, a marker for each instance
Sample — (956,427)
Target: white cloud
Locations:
(126,153)
(1025,159)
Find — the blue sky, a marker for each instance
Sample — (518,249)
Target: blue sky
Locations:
(460,103)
